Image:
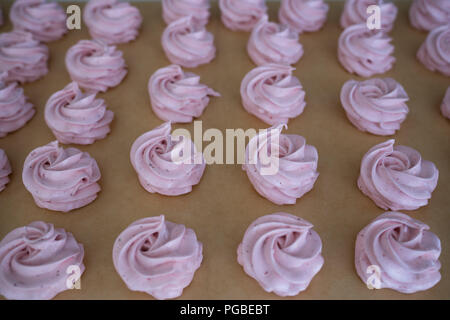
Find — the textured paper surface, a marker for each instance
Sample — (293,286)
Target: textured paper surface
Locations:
(224,203)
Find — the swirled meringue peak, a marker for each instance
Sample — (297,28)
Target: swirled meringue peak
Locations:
(445,107)
(281,167)
(45,20)
(376,105)
(15,110)
(303,15)
(176,9)
(241,15)
(365,52)
(76,117)
(397,178)
(427,15)
(178,96)
(355,12)
(282,252)
(95,66)
(158,257)
(187,43)
(5,169)
(273,94)
(435,51)
(165,164)
(112,21)
(22,57)
(273,43)
(403,249)
(37,260)
(61,179)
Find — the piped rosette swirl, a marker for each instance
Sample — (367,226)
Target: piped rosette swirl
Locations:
(435,51)
(428,15)
(281,167)
(178,96)
(241,15)
(5,170)
(282,252)
(273,43)
(273,94)
(176,9)
(157,256)
(95,66)
(404,250)
(165,164)
(355,12)
(365,52)
(303,15)
(445,106)
(112,21)
(61,179)
(37,260)
(187,43)
(396,177)
(376,105)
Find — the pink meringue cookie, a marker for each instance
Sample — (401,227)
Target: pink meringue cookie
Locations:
(187,43)
(5,170)
(435,51)
(376,105)
(112,21)
(427,15)
(154,156)
(242,15)
(95,66)
(77,117)
(396,178)
(158,257)
(404,250)
(355,12)
(445,107)
(176,9)
(39,261)
(273,94)
(292,170)
(303,15)
(61,179)
(273,43)
(178,96)
(45,20)
(365,52)
(15,110)
(22,57)
(282,252)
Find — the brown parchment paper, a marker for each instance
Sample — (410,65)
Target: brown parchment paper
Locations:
(224,203)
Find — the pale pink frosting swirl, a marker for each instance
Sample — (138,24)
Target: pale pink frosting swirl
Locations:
(15,110)
(429,14)
(5,170)
(290,174)
(61,179)
(404,250)
(445,107)
(303,15)
(273,94)
(154,157)
(77,117)
(158,257)
(397,178)
(355,12)
(178,96)
(365,52)
(242,15)
(282,252)
(273,43)
(95,66)
(112,21)
(435,51)
(45,20)
(176,9)
(22,57)
(35,261)
(187,43)
(376,105)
